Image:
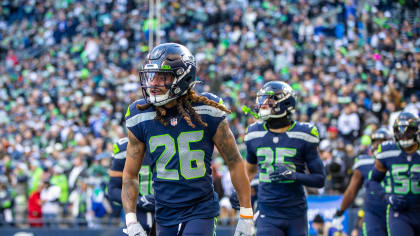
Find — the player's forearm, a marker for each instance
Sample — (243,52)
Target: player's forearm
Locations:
(311,180)
(130,188)
(348,199)
(241,183)
(350,194)
(130,193)
(226,144)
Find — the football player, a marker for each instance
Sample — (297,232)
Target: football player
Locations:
(145,201)
(178,129)
(402,159)
(374,207)
(279,148)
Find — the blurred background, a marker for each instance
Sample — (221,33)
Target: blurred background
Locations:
(69,69)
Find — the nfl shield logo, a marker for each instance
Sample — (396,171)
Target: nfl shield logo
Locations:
(174,121)
(275,139)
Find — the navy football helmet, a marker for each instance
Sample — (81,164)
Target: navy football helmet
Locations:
(406,129)
(379,136)
(275,100)
(168,60)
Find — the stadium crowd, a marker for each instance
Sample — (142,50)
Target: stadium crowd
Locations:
(69,69)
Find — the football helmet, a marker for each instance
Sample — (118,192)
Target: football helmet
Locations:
(168,60)
(379,136)
(406,129)
(275,100)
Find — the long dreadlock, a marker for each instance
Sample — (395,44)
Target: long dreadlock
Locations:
(185,109)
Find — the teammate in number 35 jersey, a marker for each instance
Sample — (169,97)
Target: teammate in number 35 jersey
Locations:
(178,129)
(402,159)
(281,147)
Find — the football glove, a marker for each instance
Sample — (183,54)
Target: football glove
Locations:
(338,213)
(397,202)
(146,203)
(245,226)
(135,229)
(234,201)
(282,172)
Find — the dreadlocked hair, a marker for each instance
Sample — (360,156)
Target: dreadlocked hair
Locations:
(183,102)
(184,108)
(160,113)
(186,102)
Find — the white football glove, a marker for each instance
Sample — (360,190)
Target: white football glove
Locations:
(245,227)
(135,229)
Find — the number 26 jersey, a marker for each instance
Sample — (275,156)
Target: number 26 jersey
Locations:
(181,155)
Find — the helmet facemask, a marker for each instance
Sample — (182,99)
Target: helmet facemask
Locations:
(274,105)
(154,83)
(406,133)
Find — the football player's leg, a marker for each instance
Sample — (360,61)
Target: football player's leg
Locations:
(374,225)
(398,224)
(167,230)
(199,227)
(145,219)
(267,226)
(298,226)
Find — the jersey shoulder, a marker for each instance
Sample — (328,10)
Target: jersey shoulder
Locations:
(388,150)
(204,109)
(363,160)
(120,148)
(304,131)
(255,130)
(134,116)
(212,97)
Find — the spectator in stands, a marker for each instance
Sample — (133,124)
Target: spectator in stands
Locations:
(80,202)
(6,202)
(50,195)
(35,208)
(68,70)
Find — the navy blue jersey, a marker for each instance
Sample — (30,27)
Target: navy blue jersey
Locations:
(145,174)
(294,148)
(401,165)
(181,155)
(364,163)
